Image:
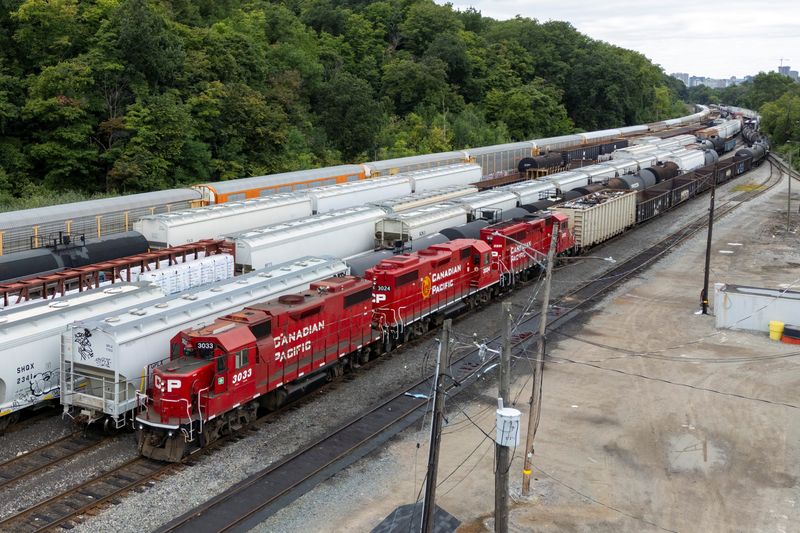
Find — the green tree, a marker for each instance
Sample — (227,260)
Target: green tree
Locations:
(767,88)
(163,151)
(425,21)
(57,109)
(781,119)
(46,30)
(351,116)
(529,111)
(408,83)
(146,43)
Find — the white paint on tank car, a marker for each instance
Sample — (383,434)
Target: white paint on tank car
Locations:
(571,179)
(428,180)
(342,196)
(182,227)
(337,233)
(528,192)
(415,201)
(111,355)
(30,340)
(687,160)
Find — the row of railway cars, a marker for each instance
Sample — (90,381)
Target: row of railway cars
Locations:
(111,346)
(20,230)
(220,373)
(99,405)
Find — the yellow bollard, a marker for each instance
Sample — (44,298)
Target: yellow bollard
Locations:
(775,330)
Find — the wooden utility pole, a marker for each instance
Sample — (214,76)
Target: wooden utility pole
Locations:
(704,294)
(535,405)
(429,505)
(502,452)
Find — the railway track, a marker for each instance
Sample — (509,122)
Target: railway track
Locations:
(46,457)
(82,498)
(254,499)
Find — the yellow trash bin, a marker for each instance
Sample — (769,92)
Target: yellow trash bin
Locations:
(775,329)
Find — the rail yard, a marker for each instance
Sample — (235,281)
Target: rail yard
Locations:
(464,245)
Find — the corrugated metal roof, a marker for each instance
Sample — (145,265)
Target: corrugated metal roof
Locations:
(508,147)
(90,208)
(416,161)
(256,182)
(189,216)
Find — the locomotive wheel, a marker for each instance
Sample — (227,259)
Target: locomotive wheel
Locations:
(363,356)
(419,328)
(483,298)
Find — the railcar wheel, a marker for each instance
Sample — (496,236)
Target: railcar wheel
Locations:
(8,420)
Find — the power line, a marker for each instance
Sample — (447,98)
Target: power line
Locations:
(679,384)
(598,502)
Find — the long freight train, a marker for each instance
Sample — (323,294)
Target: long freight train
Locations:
(528,196)
(21,230)
(219,375)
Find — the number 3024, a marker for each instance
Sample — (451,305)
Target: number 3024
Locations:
(241,376)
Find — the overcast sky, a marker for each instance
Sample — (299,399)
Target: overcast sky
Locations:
(701,37)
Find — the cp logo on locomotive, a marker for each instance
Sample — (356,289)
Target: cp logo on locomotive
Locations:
(426,286)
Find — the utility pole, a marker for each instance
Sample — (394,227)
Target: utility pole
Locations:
(789,198)
(429,505)
(535,406)
(704,295)
(502,452)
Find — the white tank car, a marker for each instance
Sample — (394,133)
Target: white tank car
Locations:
(344,195)
(528,192)
(30,341)
(182,227)
(339,233)
(106,371)
(415,201)
(432,179)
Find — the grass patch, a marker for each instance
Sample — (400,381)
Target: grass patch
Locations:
(747,187)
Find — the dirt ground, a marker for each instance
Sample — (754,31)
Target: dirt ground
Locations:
(652,419)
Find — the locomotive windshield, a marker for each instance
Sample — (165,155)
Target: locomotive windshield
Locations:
(205,350)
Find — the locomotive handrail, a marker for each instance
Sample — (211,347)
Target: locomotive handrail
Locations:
(188,415)
(199,406)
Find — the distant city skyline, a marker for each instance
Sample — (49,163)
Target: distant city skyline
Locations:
(740,38)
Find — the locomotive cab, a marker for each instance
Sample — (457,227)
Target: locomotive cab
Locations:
(204,366)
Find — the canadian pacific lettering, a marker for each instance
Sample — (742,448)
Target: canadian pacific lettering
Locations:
(299,336)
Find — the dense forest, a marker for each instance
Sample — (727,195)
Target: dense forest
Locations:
(120,96)
(774,96)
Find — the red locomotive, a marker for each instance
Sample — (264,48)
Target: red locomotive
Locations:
(520,245)
(410,290)
(219,375)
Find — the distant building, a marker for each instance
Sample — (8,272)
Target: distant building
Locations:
(683,76)
(793,74)
(784,70)
(694,81)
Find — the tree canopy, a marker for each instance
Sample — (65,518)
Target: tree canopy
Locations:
(115,96)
